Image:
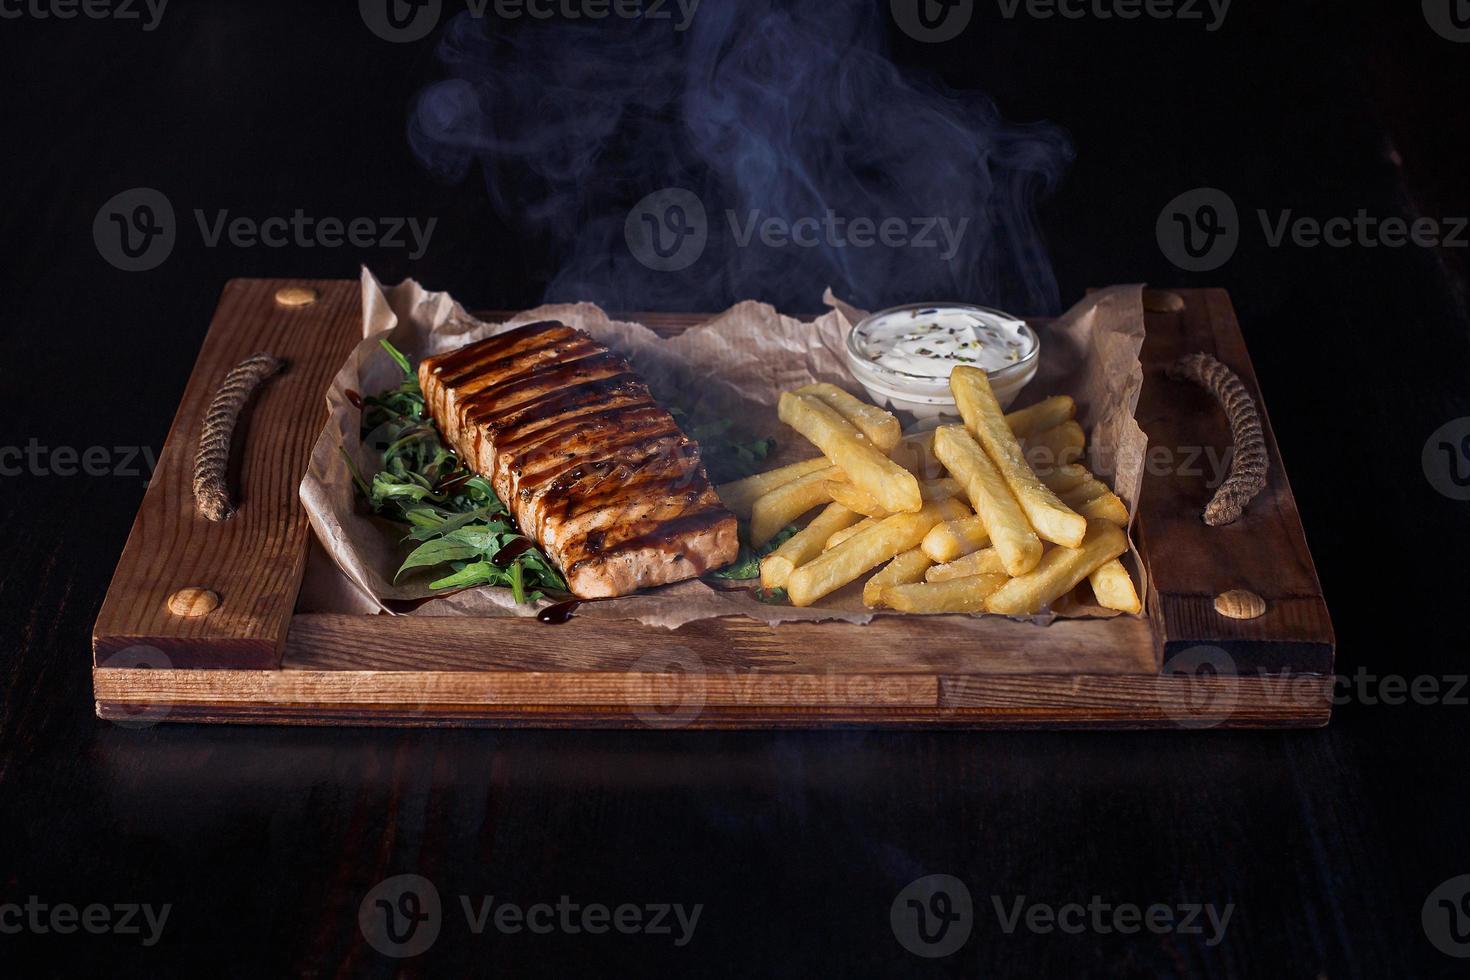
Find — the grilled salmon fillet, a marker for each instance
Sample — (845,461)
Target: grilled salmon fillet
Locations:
(586,461)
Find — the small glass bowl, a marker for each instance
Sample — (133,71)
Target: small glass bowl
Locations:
(929,397)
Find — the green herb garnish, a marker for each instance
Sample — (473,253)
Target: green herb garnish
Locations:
(454,513)
(747,564)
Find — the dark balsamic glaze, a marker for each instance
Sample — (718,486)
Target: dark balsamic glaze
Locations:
(355,399)
(559,612)
(512,551)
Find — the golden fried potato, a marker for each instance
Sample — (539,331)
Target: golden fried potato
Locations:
(905,568)
(986,561)
(1043,415)
(955,539)
(880,426)
(1056,446)
(1049,517)
(957,595)
(1004,521)
(1060,570)
(892,486)
(856,499)
(1113,587)
(739,495)
(772,512)
(833,569)
(804,545)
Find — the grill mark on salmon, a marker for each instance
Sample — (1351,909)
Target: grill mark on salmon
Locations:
(591,466)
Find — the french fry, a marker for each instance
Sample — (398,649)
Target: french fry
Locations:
(895,488)
(907,567)
(986,561)
(940,489)
(739,495)
(833,569)
(1056,446)
(955,539)
(1093,499)
(1059,571)
(1043,415)
(958,595)
(840,536)
(854,498)
(1107,506)
(1050,518)
(1113,588)
(1064,478)
(804,545)
(881,427)
(1004,521)
(786,503)
(915,453)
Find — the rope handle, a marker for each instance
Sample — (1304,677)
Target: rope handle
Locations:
(211,494)
(1248,460)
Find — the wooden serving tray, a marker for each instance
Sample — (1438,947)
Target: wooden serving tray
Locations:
(255,659)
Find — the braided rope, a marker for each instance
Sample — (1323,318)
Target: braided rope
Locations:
(211,495)
(1248,461)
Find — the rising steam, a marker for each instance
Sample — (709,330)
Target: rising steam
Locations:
(763,109)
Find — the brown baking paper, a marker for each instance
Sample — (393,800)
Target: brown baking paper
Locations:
(733,366)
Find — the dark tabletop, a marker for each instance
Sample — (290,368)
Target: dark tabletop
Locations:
(1322,846)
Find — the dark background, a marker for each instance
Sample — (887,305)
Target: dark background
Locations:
(265,840)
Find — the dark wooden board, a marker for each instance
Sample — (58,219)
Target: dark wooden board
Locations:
(252,660)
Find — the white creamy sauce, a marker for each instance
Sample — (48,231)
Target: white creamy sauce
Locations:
(933,341)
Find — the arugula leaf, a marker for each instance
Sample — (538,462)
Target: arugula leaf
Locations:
(747,564)
(452,512)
